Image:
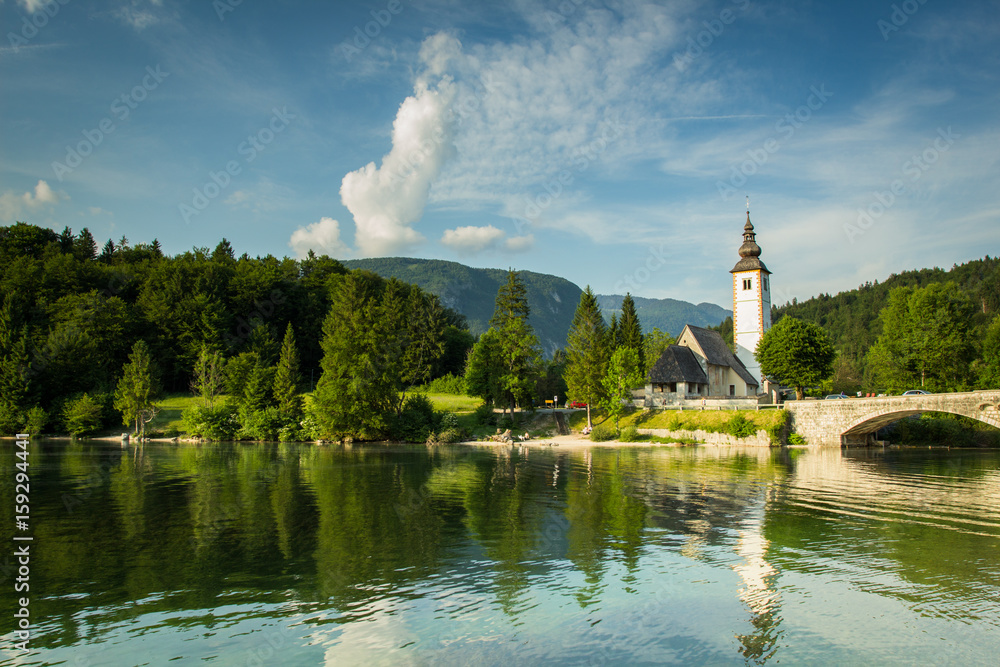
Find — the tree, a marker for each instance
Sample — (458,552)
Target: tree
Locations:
(82,415)
(108,253)
(483,369)
(654,343)
(796,353)
(624,372)
(85,247)
(137,389)
(587,352)
(925,339)
(517,349)
(630,330)
(287,378)
(614,333)
(15,371)
(989,366)
(209,375)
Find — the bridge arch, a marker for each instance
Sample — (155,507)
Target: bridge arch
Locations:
(863,428)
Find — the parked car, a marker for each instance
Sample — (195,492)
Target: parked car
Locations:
(576,404)
(837,396)
(915,392)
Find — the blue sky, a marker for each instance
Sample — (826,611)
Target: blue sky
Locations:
(610,143)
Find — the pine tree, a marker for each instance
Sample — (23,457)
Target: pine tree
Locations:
(587,352)
(614,334)
(108,253)
(518,346)
(85,247)
(223,252)
(287,378)
(66,240)
(136,389)
(630,330)
(15,371)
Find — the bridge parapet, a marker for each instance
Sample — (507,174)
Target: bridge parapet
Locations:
(854,420)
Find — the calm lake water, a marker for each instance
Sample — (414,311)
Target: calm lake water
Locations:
(266,554)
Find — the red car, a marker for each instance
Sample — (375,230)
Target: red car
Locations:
(576,404)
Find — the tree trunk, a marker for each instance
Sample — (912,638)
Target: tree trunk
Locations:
(800,393)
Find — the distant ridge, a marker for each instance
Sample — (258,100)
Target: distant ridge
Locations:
(667,315)
(553,300)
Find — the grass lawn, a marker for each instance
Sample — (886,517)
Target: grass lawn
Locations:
(454,402)
(171,407)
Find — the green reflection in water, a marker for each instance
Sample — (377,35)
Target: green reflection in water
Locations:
(491,554)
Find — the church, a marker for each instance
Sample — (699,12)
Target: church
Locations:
(701,365)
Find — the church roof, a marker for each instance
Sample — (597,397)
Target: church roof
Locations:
(718,353)
(677,364)
(749,251)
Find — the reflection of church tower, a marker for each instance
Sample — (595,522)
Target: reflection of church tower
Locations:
(751,300)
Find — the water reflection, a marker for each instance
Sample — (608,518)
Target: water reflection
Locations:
(387,554)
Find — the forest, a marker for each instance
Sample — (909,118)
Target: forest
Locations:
(72,317)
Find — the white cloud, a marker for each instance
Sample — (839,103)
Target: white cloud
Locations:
(32,6)
(135,15)
(12,205)
(472,240)
(385,201)
(322,237)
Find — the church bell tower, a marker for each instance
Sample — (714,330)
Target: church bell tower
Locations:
(751,300)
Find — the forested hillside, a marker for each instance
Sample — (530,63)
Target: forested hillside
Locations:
(852,319)
(70,317)
(667,315)
(472,292)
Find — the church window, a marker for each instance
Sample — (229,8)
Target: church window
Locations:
(747,283)
(765,283)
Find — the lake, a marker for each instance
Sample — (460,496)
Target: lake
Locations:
(271,554)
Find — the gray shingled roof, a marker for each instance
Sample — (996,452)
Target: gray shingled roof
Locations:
(677,364)
(718,353)
(749,264)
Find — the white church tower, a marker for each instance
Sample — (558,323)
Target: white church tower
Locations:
(751,300)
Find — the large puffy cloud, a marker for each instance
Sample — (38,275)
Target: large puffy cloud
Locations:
(386,200)
(322,237)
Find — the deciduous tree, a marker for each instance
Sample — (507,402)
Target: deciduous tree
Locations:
(137,389)
(796,353)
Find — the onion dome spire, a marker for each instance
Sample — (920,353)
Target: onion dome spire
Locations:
(749,251)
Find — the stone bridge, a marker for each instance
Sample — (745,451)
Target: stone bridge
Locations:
(853,421)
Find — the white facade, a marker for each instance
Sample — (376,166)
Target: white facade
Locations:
(751,301)
(751,315)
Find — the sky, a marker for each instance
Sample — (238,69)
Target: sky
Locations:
(611,143)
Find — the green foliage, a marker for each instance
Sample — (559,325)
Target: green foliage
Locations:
(925,340)
(35,421)
(624,372)
(945,430)
(603,432)
(988,367)
(587,353)
(83,415)
(796,439)
(287,379)
(741,427)
(416,421)
(136,389)
(211,423)
(260,424)
(631,434)
(630,331)
(209,375)
(796,353)
(654,343)
(485,416)
(725,329)
(446,384)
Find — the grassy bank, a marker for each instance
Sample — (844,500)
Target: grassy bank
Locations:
(734,422)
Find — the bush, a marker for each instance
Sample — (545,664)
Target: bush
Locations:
(416,421)
(796,439)
(35,420)
(83,415)
(485,415)
(260,424)
(603,432)
(446,384)
(218,423)
(740,426)
(505,422)
(631,434)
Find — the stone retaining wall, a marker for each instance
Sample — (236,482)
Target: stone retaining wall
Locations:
(760,439)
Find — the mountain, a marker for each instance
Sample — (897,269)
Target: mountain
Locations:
(472,292)
(553,300)
(667,315)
